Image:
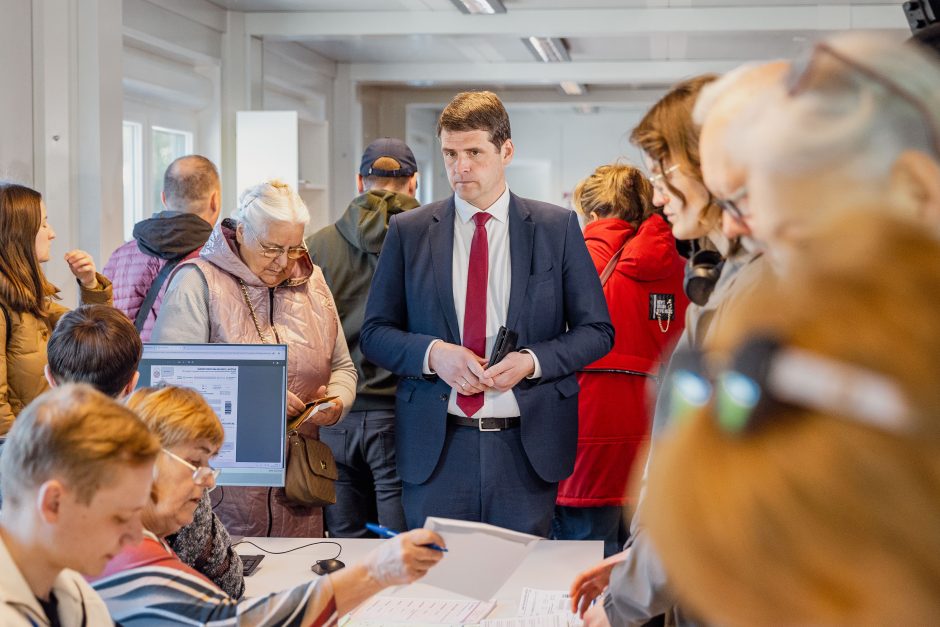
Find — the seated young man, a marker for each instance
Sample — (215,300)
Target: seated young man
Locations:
(76,473)
(98,345)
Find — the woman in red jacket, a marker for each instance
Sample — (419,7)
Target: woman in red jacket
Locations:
(635,255)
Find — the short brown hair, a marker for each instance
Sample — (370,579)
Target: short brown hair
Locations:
(616,190)
(477,111)
(814,518)
(76,434)
(188,182)
(668,132)
(390,183)
(95,344)
(23,286)
(176,415)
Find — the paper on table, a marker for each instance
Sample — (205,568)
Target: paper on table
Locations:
(431,611)
(548,620)
(480,557)
(539,602)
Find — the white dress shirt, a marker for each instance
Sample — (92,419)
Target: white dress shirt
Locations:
(499,276)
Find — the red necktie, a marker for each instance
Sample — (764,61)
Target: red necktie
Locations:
(474,315)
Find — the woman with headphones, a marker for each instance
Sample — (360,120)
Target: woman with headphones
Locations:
(719,271)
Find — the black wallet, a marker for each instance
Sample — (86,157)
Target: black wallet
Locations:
(505,344)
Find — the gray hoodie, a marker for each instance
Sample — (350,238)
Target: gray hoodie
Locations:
(348,252)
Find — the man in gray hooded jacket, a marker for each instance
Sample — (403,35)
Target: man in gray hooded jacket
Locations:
(368,488)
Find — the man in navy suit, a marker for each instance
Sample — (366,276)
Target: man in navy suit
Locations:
(478,443)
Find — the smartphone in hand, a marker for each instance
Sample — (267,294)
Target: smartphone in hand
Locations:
(505,343)
(311,408)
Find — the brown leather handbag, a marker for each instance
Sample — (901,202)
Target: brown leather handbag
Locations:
(311,471)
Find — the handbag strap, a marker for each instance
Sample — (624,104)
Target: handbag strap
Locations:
(609,268)
(254,317)
(9,323)
(152,293)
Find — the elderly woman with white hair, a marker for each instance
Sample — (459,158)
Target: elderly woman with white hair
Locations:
(254,283)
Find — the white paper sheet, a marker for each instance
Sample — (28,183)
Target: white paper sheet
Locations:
(384,610)
(479,559)
(548,620)
(539,602)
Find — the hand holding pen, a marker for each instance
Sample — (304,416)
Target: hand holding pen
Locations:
(384,532)
(405,557)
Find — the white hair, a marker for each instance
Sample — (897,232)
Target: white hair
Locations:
(842,118)
(719,89)
(271,201)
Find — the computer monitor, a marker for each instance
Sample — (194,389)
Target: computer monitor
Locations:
(246,386)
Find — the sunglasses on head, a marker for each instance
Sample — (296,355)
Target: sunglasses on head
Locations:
(765,376)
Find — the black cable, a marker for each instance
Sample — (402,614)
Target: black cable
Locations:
(297,548)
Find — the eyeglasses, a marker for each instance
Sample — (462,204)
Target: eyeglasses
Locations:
(801,72)
(201,474)
(658,180)
(271,251)
(764,377)
(730,204)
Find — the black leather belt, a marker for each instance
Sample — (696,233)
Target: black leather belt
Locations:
(484,424)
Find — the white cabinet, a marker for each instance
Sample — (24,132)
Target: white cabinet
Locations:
(276,144)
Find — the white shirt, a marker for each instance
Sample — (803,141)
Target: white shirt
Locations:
(499,277)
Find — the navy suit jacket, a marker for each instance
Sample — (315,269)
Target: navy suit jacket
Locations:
(556,305)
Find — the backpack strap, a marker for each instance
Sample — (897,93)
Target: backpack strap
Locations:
(153,292)
(609,268)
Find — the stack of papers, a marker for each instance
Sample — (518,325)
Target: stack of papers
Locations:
(540,608)
(394,610)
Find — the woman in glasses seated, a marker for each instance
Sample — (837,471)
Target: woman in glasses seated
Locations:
(254,283)
(148,585)
(804,486)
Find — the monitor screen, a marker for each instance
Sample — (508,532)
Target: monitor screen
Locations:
(246,386)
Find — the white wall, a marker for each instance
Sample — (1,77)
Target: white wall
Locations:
(16,97)
(569,145)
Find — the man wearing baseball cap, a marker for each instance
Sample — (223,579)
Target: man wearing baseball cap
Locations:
(364,444)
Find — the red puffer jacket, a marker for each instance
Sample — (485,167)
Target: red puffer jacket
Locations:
(647,306)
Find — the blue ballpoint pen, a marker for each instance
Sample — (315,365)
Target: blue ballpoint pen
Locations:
(385,532)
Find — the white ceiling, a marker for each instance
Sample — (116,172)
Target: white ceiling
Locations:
(614,43)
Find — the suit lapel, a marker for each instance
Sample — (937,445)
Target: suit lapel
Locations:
(521,235)
(441,238)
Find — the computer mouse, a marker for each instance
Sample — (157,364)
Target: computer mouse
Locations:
(325,567)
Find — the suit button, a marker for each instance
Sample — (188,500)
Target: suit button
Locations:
(443,397)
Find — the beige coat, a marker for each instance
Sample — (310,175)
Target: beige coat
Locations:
(23,347)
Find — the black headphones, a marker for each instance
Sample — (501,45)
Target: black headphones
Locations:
(701,274)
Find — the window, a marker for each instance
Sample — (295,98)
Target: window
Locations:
(425,178)
(166,146)
(133,178)
(148,151)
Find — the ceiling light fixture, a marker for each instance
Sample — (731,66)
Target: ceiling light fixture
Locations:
(480,7)
(548,49)
(572,88)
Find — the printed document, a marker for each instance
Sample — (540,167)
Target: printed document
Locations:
(385,610)
(480,558)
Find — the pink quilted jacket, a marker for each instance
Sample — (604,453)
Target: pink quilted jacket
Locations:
(132,272)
